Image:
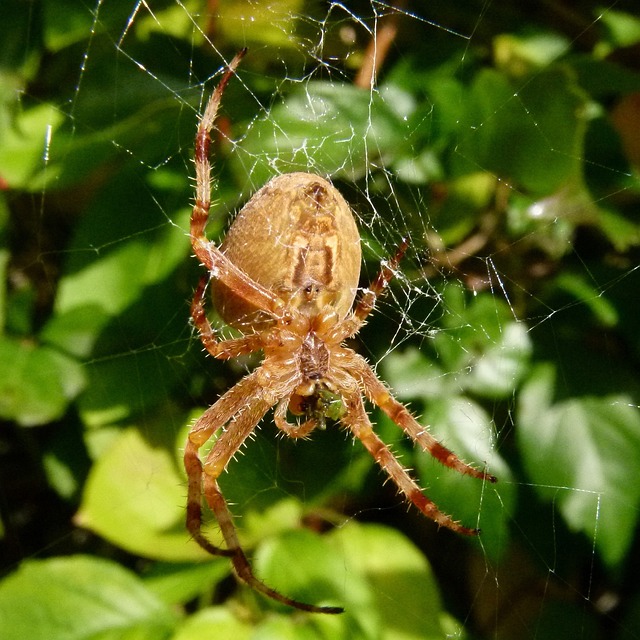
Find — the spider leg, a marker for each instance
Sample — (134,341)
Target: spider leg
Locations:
(241,564)
(207,252)
(213,419)
(378,393)
(224,349)
(193,467)
(292,430)
(352,324)
(203,477)
(225,447)
(358,422)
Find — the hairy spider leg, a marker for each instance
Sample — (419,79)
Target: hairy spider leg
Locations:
(379,394)
(207,252)
(227,348)
(213,419)
(292,430)
(241,564)
(364,306)
(193,467)
(357,420)
(242,420)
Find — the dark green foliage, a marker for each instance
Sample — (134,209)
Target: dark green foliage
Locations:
(510,159)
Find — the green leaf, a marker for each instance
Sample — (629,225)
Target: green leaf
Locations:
(303,566)
(523,53)
(498,370)
(382,580)
(26,143)
(288,628)
(128,384)
(20,58)
(582,452)
(77,330)
(624,27)
(135,497)
(582,289)
(327,128)
(214,622)
(532,137)
(119,307)
(406,597)
(176,583)
(604,78)
(464,427)
(79,598)
(481,349)
(275,24)
(37,383)
(126,258)
(621,231)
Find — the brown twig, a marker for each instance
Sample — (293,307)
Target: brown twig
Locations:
(385,32)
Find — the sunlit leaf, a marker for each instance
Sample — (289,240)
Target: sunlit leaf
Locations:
(349,127)
(214,622)
(175,583)
(406,597)
(25,145)
(582,452)
(623,27)
(80,598)
(275,24)
(301,565)
(521,54)
(135,497)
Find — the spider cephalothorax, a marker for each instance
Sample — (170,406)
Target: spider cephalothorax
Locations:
(286,276)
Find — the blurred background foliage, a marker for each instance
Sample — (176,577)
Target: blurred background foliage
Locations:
(510,159)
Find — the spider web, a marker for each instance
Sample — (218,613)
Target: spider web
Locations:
(484,142)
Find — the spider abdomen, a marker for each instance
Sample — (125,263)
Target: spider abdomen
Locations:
(297,237)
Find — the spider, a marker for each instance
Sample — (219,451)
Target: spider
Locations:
(286,276)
